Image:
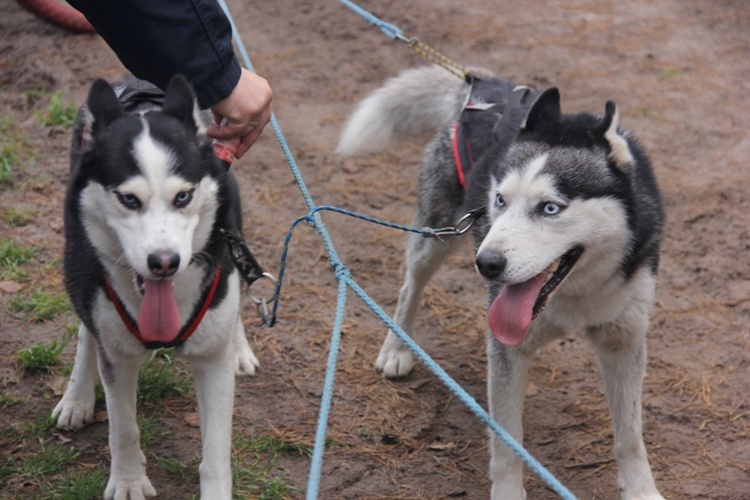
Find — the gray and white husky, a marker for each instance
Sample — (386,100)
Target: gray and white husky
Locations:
(567,237)
(146,267)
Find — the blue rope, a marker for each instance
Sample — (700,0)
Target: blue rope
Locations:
(391,31)
(343,277)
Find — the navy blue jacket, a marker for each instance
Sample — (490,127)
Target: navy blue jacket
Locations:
(156,39)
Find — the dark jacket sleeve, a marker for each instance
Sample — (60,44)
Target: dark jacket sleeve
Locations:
(156,39)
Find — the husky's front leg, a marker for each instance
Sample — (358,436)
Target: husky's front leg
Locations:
(127,477)
(506,386)
(621,353)
(214,387)
(77,404)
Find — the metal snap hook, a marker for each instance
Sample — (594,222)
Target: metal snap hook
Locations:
(261,300)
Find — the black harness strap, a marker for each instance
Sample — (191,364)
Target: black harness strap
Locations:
(243,259)
(131,97)
(495,111)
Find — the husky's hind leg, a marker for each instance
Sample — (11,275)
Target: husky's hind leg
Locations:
(423,257)
(77,404)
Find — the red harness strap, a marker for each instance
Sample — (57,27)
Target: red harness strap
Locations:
(183,335)
(462,156)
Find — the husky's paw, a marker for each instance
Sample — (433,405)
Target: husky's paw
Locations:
(394,363)
(511,490)
(129,488)
(72,413)
(245,361)
(655,495)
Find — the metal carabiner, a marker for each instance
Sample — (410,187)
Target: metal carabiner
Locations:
(462,226)
(261,302)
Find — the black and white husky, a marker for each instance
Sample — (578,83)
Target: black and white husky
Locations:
(567,236)
(146,267)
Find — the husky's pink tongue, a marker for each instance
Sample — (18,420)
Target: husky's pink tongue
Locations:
(158,319)
(510,313)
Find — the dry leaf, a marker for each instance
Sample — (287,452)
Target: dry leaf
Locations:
(57,384)
(193,419)
(531,389)
(10,286)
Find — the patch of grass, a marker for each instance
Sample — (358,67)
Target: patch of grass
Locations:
(41,468)
(52,459)
(161,378)
(81,485)
(41,428)
(253,464)
(33,95)
(41,357)
(643,111)
(185,470)
(13,146)
(151,430)
(13,254)
(58,113)
(40,306)
(18,218)
(7,400)
(272,446)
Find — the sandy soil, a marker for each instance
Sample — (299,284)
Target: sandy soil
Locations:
(679,72)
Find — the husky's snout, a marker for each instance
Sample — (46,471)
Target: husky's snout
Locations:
(163,263)
(491,264)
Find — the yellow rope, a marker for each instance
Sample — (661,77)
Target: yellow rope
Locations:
(436,57)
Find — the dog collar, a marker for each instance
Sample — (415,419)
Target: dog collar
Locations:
(183,334)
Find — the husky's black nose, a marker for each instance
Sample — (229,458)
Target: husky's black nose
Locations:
(163,263)
(491,264)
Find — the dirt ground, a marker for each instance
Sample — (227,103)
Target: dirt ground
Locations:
(679,71)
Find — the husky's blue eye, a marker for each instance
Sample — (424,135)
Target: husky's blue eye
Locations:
(183,198)
(499,201)
(129,200)
(551,208)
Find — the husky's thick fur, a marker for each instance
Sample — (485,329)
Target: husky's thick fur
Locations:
(568,242)
(144,260)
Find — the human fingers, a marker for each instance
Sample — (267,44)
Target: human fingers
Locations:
(246,108)
(249,139)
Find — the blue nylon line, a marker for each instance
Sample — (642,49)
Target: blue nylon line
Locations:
(282,266)
(390,30)
(392,225)
(313,482)
(271,319)
(342,276)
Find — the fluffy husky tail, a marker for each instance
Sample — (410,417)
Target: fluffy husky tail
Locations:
(416,101)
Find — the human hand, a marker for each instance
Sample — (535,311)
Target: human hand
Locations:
(243,113)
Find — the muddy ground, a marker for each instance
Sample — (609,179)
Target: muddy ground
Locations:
(679,72)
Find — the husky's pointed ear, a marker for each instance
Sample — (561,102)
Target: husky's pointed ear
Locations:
(103,105)
(619,150)
(546,109)
(180,102)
